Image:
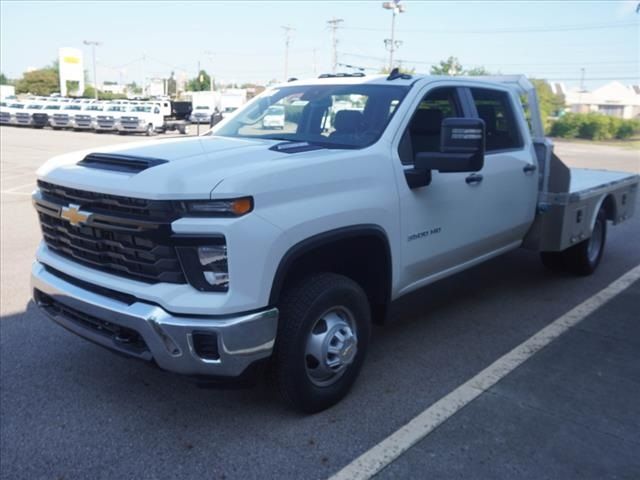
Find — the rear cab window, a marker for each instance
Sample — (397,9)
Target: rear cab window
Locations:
(496,109)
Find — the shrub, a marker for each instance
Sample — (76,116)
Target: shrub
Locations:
(594,126)
(627,129)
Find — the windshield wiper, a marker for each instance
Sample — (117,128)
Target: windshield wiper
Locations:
(299,143)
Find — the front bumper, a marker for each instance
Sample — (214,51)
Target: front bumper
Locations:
(148,332)
(131,127)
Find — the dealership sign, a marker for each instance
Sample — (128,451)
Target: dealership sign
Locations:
(71,71)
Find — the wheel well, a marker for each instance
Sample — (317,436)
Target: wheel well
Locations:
(363,257)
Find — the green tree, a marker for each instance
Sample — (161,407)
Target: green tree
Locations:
(477,71)
(201,83)
(73,87)
(43,81)
(408,71)
(134,88)
(450,66)
(89,92)
(551,104)
(3,79)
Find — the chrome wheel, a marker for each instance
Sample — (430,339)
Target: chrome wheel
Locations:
(331,346)
(595,242)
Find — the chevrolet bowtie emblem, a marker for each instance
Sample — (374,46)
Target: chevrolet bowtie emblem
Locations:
(74,215)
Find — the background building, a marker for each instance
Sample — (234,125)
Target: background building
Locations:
(614,99)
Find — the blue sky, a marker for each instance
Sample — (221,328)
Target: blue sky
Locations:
(245,41)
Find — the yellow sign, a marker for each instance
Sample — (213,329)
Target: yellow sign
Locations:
(70,59)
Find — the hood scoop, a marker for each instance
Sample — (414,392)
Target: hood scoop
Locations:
(119,162)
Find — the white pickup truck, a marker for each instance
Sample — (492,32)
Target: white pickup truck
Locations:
(108,119)
(220,255)
(144,118)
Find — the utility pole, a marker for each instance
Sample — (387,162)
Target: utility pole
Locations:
(209,54)
(315,62)
(94,44)
(334,25)
(287,40)
(391,43)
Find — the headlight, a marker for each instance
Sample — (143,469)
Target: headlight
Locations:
(217,208)
(206,266)
(215,269)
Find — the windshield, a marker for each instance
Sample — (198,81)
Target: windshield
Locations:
(16,105)
(35,107)
(73,107)
(336,116)
(93,107)
(52,107)
(116,108)
(202,108)
(141,108)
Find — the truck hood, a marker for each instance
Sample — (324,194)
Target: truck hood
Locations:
(193,167)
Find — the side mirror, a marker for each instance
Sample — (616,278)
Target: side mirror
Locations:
(462,142)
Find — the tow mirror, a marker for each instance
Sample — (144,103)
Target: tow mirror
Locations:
(462,142)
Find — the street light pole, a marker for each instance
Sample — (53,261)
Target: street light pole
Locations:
(209,54)
(334,24)
(287,40)
(391,43)
(94,44)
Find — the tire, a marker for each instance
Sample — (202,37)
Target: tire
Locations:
(150,130)
(323,311)
(581,259)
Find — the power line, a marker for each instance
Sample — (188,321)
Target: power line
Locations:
(431,62)
(565,28)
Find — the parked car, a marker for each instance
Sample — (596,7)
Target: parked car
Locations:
(39,117)
(201,114)
(107,120)
(274,117)
(86,119)
(63,118)
(145,118)
(24,116)
(5,113)
(19,114)
(219,255)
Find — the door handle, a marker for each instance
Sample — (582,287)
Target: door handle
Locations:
(527,169)
(473,179)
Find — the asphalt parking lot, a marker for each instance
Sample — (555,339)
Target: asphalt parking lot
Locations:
(69,409)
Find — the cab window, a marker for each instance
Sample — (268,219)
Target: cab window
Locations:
(423,132)
(496,109)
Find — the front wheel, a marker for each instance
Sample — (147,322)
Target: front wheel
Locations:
(150,130)
(323,334)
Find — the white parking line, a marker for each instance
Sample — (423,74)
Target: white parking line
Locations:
(16,176)
(19,187)
(389,449)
